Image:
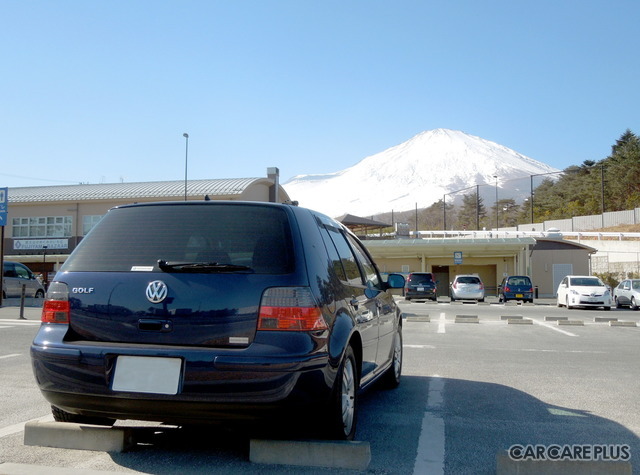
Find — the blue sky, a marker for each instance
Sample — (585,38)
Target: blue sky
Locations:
(102,91)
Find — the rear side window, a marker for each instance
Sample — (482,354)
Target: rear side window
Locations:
(135,238)
(347,258)
(370,273)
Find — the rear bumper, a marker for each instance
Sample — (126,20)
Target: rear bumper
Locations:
(414,294)
(214,384)
(518,295)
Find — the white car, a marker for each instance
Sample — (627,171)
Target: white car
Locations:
(467,287)
(627,293)
(583,291)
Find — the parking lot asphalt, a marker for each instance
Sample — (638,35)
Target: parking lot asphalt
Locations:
(469,392)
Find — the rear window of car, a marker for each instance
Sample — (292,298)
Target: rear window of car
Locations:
(420,278)
(468,280)
(519,281)
(135,238)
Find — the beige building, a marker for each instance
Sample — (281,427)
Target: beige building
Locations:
(546,260)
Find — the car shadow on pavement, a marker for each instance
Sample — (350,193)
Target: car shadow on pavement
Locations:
(481,420)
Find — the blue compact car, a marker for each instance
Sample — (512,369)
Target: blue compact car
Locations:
(194,312)
(516,287)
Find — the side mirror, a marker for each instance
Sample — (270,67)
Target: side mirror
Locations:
(395,281)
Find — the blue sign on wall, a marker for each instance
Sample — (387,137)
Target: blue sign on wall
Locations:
(3,205)
(457,257)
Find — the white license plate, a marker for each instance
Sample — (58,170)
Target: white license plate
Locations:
(420,289)
(146,374)
(593,299)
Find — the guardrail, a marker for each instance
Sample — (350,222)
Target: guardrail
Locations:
(493,234)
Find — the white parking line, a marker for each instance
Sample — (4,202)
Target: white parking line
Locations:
(28,323)
(554,328)
(13,355)
(15,428)
(431,450)
(441,323)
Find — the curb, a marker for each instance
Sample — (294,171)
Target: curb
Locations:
(328,454)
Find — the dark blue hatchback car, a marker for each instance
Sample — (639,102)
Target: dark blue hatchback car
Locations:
(193,312)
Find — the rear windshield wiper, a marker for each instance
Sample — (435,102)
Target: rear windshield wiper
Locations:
(200,267)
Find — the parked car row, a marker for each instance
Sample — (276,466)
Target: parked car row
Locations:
(573,291)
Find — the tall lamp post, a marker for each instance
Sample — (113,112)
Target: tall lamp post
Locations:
(44,266)
(497,223)
(186,157)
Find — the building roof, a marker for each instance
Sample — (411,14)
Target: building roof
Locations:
(445,247)
(139,190)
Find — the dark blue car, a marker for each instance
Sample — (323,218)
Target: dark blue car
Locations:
(516,287)
(192,312)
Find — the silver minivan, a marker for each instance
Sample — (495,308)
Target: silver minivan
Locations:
(15,276)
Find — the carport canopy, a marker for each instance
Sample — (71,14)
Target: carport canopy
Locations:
(444,248)
(358,224)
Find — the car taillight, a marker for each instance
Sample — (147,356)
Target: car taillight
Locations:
(290,309)
(481,285)
(56,308)
(507,289)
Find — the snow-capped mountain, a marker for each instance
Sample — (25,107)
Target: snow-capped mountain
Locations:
(419,171)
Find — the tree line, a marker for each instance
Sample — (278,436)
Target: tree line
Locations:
(610,184)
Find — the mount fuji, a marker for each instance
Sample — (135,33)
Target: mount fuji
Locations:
(418,172)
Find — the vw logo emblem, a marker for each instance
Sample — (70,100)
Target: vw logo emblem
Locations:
(156,291)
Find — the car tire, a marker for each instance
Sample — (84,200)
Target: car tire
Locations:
(391,378)
(617,302)
(607,309)
(63,416)
(343,408)
(634,304)
(408,299)
(480,300)
(39,294)
(569,307)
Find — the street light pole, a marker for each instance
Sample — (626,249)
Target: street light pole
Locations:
(186,157)
(444,212)
(497,223)
(44,266)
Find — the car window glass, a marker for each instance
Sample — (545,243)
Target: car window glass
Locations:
(336,263)
(420,278)
(9,270)
(636,284)
(22,272)
(129,238)
(371,275)
(346,256)
(586,282)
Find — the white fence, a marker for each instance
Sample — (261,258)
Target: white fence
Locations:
(585,223)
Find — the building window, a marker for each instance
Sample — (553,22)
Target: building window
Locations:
(88,222)
(43,226)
